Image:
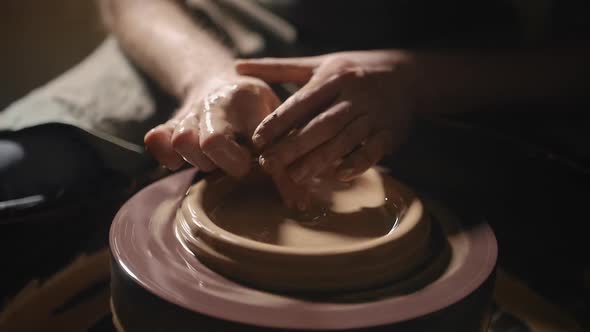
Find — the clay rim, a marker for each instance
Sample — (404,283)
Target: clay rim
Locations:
(222,303)
(401,228)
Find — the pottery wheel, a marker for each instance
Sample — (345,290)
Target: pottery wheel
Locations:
(360,235)
(151,252)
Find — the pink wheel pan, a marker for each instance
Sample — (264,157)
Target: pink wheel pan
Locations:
(177,266)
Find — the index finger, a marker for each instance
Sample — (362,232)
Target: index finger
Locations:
(279,70)
(316,95)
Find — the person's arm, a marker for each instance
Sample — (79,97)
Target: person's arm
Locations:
(218,106)
(354,107)
(161,37)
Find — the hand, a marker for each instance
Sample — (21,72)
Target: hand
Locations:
(213,129)
(353,108)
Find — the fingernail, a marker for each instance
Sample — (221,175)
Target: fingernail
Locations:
(188,161)
(299,175)
(269,164)
(345,174)
(258,140)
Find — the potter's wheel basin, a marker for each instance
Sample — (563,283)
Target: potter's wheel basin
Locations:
(361,234)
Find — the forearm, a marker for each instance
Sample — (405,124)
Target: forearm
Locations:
(456,81)
(163,40)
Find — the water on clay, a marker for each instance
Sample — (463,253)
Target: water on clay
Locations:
(342,214)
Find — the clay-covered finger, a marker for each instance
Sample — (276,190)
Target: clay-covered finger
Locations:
(218,142)
(365,157)
(302,105)
(185,140)
(158,143)
(325,155)
(226,153)
(294,196)
(320,129)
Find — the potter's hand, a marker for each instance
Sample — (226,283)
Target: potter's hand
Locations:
(213,127)
(352,109)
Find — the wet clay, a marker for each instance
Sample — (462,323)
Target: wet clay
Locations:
(172,272)
(357,234)
(343,214)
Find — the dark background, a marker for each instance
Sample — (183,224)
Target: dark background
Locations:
(526,173)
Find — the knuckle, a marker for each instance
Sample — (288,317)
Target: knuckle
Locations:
(339,63)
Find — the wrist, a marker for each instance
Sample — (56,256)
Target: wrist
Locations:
(198,86)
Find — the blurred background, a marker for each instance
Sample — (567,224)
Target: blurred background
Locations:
(535,197)
(42,39)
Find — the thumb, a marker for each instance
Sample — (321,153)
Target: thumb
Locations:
(279,70)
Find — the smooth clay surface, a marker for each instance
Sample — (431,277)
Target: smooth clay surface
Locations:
(358,234)
(344,213)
